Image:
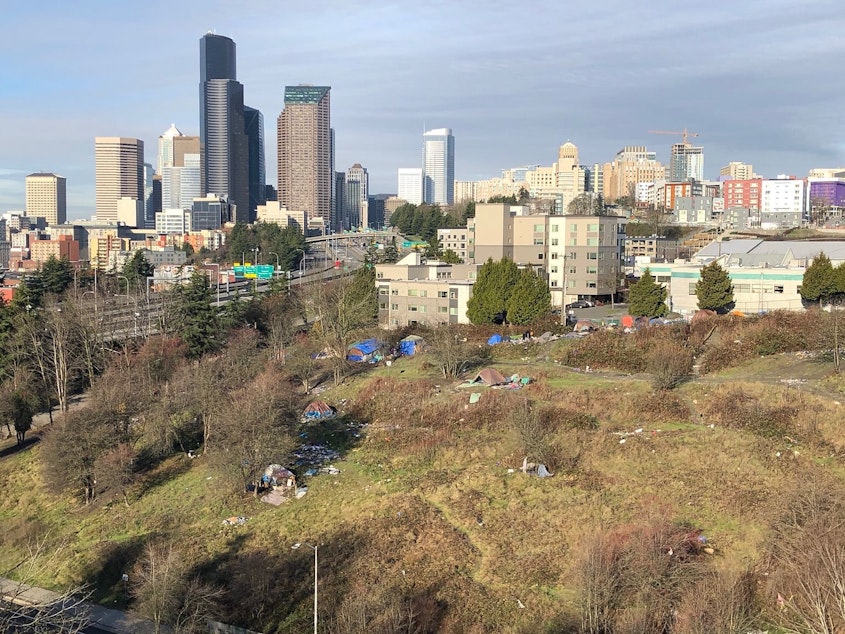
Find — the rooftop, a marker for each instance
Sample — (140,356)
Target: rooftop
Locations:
(305,94)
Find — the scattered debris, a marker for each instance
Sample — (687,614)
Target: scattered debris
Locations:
(474,398)
(301,492)
(276,497)
(314,455)
(235,521)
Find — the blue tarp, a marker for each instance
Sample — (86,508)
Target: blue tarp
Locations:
(410,345)
(362,350)
(492,341)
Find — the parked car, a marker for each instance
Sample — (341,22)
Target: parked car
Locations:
(580,303)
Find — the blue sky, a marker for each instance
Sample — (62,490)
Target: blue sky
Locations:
(760,80)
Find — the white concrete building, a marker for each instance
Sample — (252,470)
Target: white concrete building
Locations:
(410,185)
(783,202)
(438,167)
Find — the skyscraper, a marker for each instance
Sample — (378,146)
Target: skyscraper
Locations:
(119,166)
(686,163)
(254,129)
(224,143)
(46,197)
(439,166)
(410,184)
(304,151)
(357,196)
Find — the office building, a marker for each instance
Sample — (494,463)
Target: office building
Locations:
(46,197)
(180,185)
(410,185)
(356,196)
(304,151)
(686,163)
(209,212)
(736,170)
(119,167)
(633,165)
(783,202)
(224,143)
(439,167)
(561,182)
(254,128)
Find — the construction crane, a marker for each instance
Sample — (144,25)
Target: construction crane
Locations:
(683,133)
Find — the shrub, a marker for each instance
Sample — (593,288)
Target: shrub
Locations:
(669,364)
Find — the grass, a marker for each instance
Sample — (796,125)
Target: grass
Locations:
(430,509)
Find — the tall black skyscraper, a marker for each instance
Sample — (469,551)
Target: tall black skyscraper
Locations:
(224,143)
(254,129)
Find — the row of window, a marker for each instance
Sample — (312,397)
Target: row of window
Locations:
(750,288)
(442,310)
(413,292)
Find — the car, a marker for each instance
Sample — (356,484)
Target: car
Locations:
(580,303)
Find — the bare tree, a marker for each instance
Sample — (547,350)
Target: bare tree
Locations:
(451,353)
(168,595)
(22,610)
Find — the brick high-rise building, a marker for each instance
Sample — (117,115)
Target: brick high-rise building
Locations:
(304,151)
(46,197)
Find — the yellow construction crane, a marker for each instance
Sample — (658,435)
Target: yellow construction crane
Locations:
(683,133)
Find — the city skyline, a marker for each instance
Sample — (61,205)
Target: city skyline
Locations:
(753,81)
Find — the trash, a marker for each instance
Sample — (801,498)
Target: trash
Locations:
(235,521)
(542,472)
(301,492)
(474,397)
(622,442)
(331,470)
(511,470)
(314,455)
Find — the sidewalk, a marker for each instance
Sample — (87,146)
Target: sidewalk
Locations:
(100,618)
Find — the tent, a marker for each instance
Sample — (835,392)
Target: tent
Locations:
(492,341)
(318,410)
(584,325)
(490,377)
(410,345)
(277,476)
(362,350)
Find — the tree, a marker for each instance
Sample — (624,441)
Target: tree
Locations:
(491,291)
(196,319)
(820,281)
(168,595)
(137,269)
(451,353)
(530,298)
(56,275)
(450,257)
(584,205)
(647,298)
(714,290)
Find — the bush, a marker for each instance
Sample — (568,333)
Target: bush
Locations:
(736,409)
(669,364)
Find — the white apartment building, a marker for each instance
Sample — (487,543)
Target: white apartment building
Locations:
(454,240)
(274,211)
(783,202)
(173,221)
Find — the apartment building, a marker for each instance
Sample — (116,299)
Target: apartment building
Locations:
(414,291)
(454,240)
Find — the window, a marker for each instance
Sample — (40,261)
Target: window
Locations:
(553,228)
(572,270)
(778,288)
(453,294)
(442,294)
(691,289)
(442,309)
(382,305)
(379,275)
(423,293)
(553,269)
(453,311)
(422,309)
(591,270)
(591,284)
(394,307)
(412,292)
(538,242)
(742,288)
(539,256)
(593,227)
(592,242)
(412,309)
(554,242)
(553,283)
(539,228)
(554,256)
(394,291)
(382,290)
(592,256)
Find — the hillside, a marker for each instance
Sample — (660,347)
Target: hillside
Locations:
(430,526)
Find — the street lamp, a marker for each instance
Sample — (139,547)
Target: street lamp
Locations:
(301,265)
(275,271)
(295,547)
(126,279)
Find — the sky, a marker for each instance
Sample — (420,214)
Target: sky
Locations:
(759,80)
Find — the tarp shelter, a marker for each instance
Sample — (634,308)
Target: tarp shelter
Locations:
(490,377)
(410,345)
(277,476)
(317,410)
(492,341)
(627,321)
(362,350)
(584,325)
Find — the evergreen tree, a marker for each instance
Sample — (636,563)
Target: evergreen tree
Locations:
(56,275)
(820,281)
(364,293)
(196,319)
(530,298)
(647,298)
(450,257)
(137,269)
(714,290)
(491,291)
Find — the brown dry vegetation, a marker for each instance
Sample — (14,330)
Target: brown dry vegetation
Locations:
(431,526)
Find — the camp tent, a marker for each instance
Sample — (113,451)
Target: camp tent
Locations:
(318,410)
(277,476)
(492,341)
(362,350)
(490,377)
(584,325)
(410,345)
